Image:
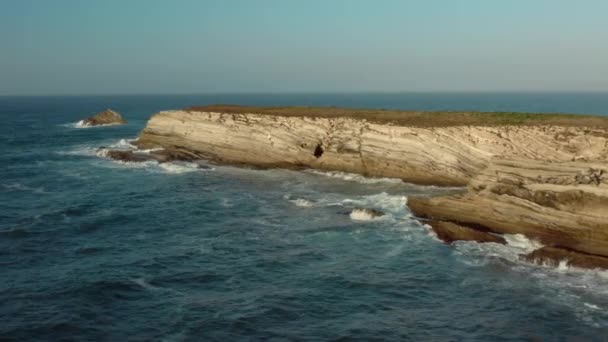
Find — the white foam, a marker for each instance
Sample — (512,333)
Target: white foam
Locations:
(124,144)
(179,167)
(301,202)
(352,177)
(363,215)
(563,284)
(83,124)
(149,150)
(80,150)
(393,204)
(521,242)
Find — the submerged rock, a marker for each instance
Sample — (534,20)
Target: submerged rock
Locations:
(449,232)
(553,256)
(161,156)
(107,117)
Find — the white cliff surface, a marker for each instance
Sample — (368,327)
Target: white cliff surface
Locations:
(436,155)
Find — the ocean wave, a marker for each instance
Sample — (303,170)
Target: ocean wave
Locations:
(562,284)
(359,214)
(21,187)
(352,177)
(89,150)
(124,144)
(83,124)
(179,167)
(301,202)
(393,204)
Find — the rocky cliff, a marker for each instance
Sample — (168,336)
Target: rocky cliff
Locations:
(542,176)
(564,205)
(449,155)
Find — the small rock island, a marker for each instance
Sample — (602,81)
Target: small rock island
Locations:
(107,117)
(541,175)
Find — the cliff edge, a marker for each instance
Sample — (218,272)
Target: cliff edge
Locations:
(387,144)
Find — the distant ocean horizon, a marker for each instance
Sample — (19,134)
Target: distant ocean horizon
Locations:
(593,103)
(95,249)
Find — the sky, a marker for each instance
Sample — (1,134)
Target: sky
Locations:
(273,46)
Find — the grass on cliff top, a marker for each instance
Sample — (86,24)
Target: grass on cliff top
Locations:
(418,118)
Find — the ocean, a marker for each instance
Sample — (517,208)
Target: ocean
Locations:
(98,250)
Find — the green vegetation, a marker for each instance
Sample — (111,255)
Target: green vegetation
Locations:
(419,118)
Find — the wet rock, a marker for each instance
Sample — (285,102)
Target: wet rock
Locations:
(162,156)
(553,256)
(449,232)
(128,156)
(107,117)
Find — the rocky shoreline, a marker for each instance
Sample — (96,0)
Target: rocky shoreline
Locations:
(543,177)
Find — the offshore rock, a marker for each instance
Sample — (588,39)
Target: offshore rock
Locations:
(107,117)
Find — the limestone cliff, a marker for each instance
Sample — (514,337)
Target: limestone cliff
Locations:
(561,204)
(449,155)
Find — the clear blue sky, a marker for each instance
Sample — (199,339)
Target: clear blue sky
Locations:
(197,46)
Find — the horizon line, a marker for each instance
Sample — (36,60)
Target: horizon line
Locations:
(317,93)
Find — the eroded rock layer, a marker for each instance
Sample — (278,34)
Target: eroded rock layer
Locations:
(561,204)
(423,155)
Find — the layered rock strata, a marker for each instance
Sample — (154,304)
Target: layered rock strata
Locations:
(564,205)
(424,155)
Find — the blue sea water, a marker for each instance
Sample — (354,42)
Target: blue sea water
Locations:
(92,249)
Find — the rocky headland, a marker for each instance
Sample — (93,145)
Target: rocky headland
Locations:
(540,175)
(107,117)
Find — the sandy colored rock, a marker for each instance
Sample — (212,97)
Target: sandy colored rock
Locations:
(107,117)
(542,200)
(449,155)
(449,232)
(553,256)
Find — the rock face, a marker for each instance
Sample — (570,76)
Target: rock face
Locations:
(107,117)
(424,155)
(449,232)
(560,204)
(552,256)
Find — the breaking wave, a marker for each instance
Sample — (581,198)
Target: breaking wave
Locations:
(301,202)
(352,177)
(364,215)
(83,124)
(21,187)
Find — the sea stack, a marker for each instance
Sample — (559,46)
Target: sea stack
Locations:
(107,117)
